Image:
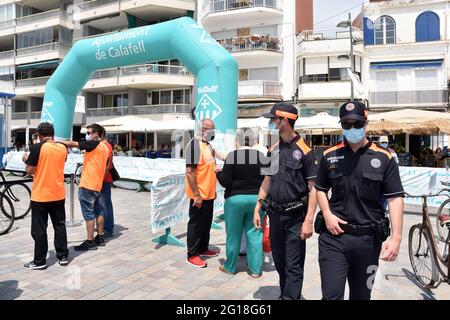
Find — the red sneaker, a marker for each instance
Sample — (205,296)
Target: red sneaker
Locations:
(196,261)
(210,253)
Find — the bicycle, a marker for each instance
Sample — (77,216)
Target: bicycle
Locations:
(78,171)
(426,258)
(7,215)
(20,195)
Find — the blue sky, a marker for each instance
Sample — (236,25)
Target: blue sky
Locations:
(324,9)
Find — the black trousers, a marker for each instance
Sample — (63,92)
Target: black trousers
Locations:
(348,257)
(288,252)
(39,220)
(199,226)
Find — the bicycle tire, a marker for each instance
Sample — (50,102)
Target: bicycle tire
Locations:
(442,231)
(10,220)
(429,275)
(21,211)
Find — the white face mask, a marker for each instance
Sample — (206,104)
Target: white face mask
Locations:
(89,137)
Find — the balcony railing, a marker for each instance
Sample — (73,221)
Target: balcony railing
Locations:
(33,18)
(250,43)
(328,34)
(55,46)
(323,78)
(213,6)
(6,54)
(140,70)
(105,73)
(7,24)
(24,115)
(95,4)
(32,82)
(161,108)
(259,88)
(104,112)
(438,96)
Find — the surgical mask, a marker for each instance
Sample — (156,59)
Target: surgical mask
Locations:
(354,135)
(210,135)
(272,126)
(384,145)
(88,137)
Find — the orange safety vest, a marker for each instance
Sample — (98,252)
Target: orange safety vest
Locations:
(94,168)
(48,180)
(205,173)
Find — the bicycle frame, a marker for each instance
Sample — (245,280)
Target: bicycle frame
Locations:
(426,223)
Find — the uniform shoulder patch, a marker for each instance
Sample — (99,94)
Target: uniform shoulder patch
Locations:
(334,148)
(303,146)
(376,148)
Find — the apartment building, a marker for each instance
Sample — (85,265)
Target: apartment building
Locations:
(261,35)
(35,35)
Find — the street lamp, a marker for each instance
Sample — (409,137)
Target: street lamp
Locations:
(348,24)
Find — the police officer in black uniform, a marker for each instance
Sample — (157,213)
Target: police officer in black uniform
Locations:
(287,194)
(353,225)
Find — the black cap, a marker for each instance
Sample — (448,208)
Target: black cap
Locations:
(283,107)
(353,110)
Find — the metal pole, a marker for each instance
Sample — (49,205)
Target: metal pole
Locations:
(72,222)
(352,65)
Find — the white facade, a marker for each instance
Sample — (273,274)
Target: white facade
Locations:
(261,36)
(410,69)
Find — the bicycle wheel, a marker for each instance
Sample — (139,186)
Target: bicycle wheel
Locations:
(78,172)
(421,256)
(6,222)
(443,230)
(20,195)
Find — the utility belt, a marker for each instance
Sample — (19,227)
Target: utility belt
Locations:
(380,230)
(285,208)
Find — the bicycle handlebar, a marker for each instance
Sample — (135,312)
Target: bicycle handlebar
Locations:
(428,195)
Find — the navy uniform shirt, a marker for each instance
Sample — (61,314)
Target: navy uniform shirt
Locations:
(359,181)
(292,165)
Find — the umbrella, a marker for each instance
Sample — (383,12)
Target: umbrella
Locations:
(385,127)
(442,124)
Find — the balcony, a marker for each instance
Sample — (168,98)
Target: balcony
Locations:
(31,86)
(259,89)
(95,9)
(429,99)
(149,76)
(251,43)
(175,7)
(24,115)
(107,112)
(49,51)
(161,108)
(40,20)
(7,28)
(325,87)
(221,12)
(7,58)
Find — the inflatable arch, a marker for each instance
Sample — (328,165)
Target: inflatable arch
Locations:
(215,70)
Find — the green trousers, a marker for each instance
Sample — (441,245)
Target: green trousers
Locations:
(239,218)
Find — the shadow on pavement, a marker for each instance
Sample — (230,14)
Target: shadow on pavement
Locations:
(9,290)
(267,293)
(427,294)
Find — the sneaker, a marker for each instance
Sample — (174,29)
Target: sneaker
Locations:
(100,241)
(210,253)
(86,245)
(33,266)
(197,262)
(63,261)
(222,268)
(254,275)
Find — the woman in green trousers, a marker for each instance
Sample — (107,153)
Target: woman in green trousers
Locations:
(241,177)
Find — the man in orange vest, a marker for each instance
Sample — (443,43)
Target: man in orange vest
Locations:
(95,167)
(46,163)
(201,189)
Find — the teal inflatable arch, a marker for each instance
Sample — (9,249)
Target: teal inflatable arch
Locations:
(215,70)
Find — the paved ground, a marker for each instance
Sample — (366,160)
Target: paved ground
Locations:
(131,266)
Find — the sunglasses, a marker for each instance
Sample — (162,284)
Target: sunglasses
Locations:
(88,133)
(356,125)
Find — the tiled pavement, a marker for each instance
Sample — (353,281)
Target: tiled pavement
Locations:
(131,266)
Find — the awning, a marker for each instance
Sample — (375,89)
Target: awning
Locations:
(38,64)
(406,64)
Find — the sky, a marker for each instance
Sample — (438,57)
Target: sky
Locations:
(325,9)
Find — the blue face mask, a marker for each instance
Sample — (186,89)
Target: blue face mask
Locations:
(384,145)
(354,135)
(272,126)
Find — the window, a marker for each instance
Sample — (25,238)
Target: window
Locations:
(270,74)
(243,74)
(7,73)
(115,100)
(337,74)
(35,38)
(166,97)
(368,32)
(385,30)
(427,27)
(179,96)
(386,80)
